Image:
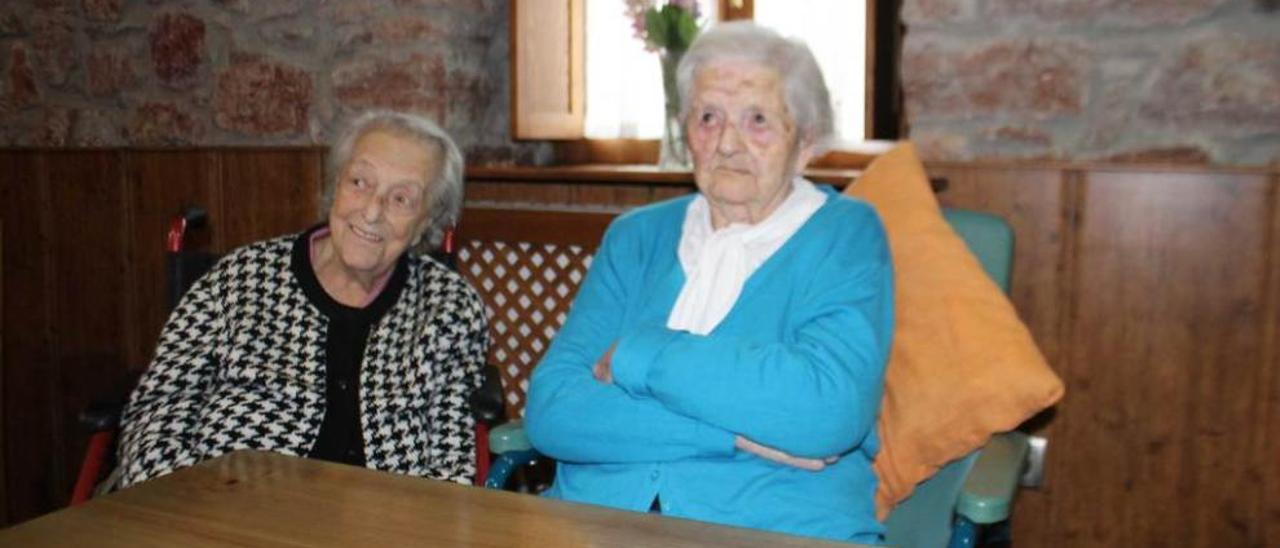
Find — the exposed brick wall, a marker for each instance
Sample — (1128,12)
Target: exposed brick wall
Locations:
(1166,80)
(1163,80)
(251,72)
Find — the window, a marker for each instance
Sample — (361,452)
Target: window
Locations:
(618,84)
(835,31)
(623,95)
(624,83)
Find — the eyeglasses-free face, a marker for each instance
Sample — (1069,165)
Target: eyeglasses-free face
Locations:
(743,139)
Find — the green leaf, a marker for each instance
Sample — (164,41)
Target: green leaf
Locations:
(656,26)
(687,30)
(673,15)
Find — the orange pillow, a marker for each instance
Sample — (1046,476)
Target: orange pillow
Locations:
(962,366)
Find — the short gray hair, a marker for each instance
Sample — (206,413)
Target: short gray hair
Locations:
(444,194)
(808,101)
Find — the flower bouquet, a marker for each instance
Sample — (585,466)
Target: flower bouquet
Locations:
(667,29)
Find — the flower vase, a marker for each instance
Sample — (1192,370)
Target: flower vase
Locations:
(672,154)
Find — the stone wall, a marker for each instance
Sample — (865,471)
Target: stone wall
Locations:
(1166,80)
(251,72)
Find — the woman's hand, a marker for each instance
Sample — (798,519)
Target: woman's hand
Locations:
(602,370)
(769,453)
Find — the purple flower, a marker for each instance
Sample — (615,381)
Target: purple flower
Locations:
(686,5)
(640,12)
(690,6)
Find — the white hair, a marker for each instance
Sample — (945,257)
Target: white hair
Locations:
(444,194)
(807,99)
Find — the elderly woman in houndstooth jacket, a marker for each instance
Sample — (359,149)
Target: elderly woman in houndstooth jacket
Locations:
(343,342)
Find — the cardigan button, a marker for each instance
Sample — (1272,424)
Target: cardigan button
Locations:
(343,385)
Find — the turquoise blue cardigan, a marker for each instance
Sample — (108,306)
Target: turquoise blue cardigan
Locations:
(798,365)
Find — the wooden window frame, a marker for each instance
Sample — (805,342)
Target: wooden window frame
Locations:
(560,116)
(563,125)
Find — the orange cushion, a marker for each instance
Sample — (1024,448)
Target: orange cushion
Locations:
(962,366)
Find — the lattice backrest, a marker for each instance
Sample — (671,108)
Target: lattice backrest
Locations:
(527,266)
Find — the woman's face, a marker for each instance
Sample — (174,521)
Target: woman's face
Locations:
(380,203)
(743,139)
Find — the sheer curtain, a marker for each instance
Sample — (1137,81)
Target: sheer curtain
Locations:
(835,31)
(624,89)
(624,82)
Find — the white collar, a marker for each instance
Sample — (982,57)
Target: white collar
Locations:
(717,263)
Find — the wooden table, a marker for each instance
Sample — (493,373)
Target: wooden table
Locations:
(266,499)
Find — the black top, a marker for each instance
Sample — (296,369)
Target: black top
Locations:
(340,438)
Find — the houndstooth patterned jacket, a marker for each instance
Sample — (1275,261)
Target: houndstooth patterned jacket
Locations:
(240,365)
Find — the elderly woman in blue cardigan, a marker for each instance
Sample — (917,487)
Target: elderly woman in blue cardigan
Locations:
(724,359)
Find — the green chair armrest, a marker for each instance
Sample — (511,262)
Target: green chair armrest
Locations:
(509,437)
(988,491)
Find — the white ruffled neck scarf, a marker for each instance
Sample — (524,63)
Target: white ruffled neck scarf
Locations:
(717,263)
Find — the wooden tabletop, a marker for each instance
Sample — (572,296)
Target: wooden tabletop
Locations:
(266,499)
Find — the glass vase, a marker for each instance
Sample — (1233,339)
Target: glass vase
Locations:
(672,153)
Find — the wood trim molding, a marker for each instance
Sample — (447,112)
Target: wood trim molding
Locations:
(731,10)
(4,501)
(645,151)
(1266,449)
(647,174)
(607,151)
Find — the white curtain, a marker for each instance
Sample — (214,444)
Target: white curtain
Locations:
(624,82)
(835,31)
(624,89)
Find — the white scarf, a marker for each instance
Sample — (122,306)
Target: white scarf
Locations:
(717,263)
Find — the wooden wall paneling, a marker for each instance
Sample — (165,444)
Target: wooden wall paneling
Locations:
(616,196)
(27,352)
(267,193)
(586,195)
(12,171)
(3,501)
(7,171)
(1033,201)
(160,183)
(1267,452)
(1166,356)
(516,225)
(606,151)
(498,192)
(668,192)
(87,285)
(1063,464)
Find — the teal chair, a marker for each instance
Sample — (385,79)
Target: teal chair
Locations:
(950,508)
(974,492)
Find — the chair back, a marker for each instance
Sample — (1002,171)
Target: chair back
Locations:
(184,266)
(925,518)
(527,266)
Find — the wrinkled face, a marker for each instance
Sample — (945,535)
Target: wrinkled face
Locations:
(380,203)
(744,142)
